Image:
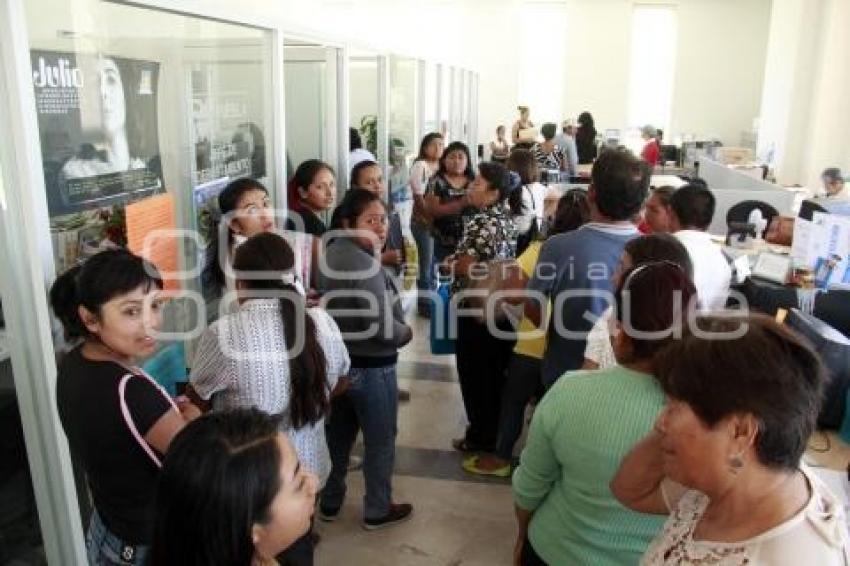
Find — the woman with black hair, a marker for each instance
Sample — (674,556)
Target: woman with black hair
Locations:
(528,203)
(427,163)
(312,191)
(274,354)
(586,139)
(550,156)
(522,382)
(232,493)
(245,208)
(364,301)
(446,199)
(118,421)
(482,357)
(368,175)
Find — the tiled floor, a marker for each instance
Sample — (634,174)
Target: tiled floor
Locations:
(458,519)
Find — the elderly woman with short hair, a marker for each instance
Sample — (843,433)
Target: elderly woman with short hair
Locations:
(724,459)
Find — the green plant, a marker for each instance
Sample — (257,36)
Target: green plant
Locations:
(369,132)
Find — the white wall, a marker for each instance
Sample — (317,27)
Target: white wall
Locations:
(828,139)
(597,66)
(718,78)
(720,67)
(789,84)
(807,85)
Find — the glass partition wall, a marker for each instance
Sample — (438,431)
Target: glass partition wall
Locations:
(428,98)
(126,123)
(311,93)
(366,101)
(444,101)
(403,128)
(143,117)
(157,113)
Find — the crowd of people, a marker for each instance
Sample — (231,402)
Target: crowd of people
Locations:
(564,151)
(665,429)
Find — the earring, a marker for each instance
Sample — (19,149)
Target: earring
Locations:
(736,463)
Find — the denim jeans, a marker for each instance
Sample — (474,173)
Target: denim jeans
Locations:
(425,246)
(106,549)
(370,405)
(523,382)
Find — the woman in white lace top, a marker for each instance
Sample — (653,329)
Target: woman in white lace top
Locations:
(724,460)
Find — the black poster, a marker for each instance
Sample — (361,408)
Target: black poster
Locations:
(97,119)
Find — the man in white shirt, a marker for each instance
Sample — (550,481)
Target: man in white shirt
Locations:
(692,208)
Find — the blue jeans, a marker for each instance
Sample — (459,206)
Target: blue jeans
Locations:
(369,404)
(106,549)
(425,246)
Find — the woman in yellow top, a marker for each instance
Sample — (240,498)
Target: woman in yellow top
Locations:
(523,379)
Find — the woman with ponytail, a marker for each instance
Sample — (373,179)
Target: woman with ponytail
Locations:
(274,354)
(481,357)
(364,300)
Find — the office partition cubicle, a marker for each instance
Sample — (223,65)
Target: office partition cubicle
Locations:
(722,176)
(731,186)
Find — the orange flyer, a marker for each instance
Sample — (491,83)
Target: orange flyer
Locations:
(150,234)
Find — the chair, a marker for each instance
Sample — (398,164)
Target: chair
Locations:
(670,153)
(737,218)
(834,350)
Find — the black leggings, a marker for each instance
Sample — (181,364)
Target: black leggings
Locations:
(529,556)
(482,361)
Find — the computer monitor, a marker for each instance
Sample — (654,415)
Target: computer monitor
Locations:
(834,349)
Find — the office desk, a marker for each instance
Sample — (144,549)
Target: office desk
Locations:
(832,307)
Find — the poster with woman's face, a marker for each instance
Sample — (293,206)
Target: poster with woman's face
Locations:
(97,119)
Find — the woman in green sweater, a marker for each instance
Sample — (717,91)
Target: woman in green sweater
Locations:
(584,426)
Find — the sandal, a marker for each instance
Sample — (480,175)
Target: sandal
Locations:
(471,465)
(464,445)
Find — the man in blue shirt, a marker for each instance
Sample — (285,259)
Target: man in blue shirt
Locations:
(574,269)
